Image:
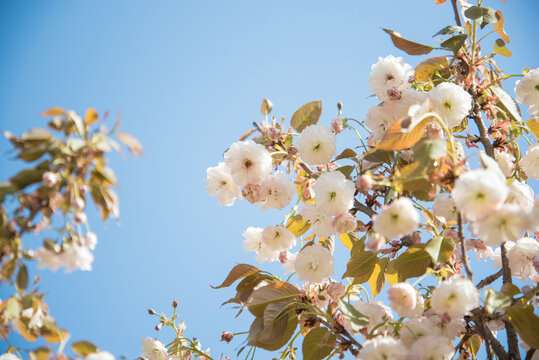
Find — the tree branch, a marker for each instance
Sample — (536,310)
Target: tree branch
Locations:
(512,338)
(456,11)
(489,279)
(463,248)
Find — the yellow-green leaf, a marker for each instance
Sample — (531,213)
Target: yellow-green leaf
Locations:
(54,111)
(308,114)
(526,323)
(83,348)
(266,107)
(348,240)
(426,69)
(411,263)
(318,343)
(378,279)
(361,265)
(507,104)
(533,124)
(500,48)
(297,226)
(131,143)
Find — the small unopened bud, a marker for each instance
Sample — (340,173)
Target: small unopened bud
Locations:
(339,105)
(50,179)
(80,218)
(336,125)
(158,327)
(283,257)
(175,304)
(411,79)
(416,237)
(79,204)
(227,336)
(434,131)
(375,242)
(344,223)
(292,150)
(364,183)
(394,94)
(151,312)
(274,134)
(252,193)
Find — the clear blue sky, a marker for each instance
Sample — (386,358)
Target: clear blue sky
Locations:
(189,78)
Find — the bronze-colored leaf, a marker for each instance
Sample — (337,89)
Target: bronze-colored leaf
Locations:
(275,336)
(22,278)
(308,114)
(498,26)
(272,293)
(36,135)
(399,137)
(239,271)
(410,47)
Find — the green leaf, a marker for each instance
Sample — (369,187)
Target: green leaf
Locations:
(318,343)
(7,187)
(347,153)
(26,177)
(440,249)
(356,319)
(22,278)
(41,353)
(411,263)
(409,47)
(239,271)
(272,293)
(361,264)
(297,226)
(379,156)
(272,337)
(474,344)
(378,279)
(455,43)
(507,104)
(448,30)
(346,170)
(83,348)
(426,150)
(495,300)
(427,68)
(483,15)
(308,114)
(526,323)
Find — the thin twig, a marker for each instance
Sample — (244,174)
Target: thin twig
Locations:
(463,248)
(489,279)
(456,11)
(512,338)
(486,334)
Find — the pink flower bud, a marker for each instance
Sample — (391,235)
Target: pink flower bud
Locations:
(345,223)
(336,125)
(283,257)
(393,94)
(364,183)
(83,189)
(89,240)
(252,193)
(80,218)
(158,327)
(50,179)
(452,234)
(292,150)
(273,133)
(175,304)
(375,242)
(336,290)
(79,204)
(434,131)
(227,336)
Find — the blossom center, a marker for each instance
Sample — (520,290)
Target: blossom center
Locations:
(332,195)
(248,163)
(313,266)
(447,105)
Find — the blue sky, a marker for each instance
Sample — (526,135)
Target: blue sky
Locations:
(188,78)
